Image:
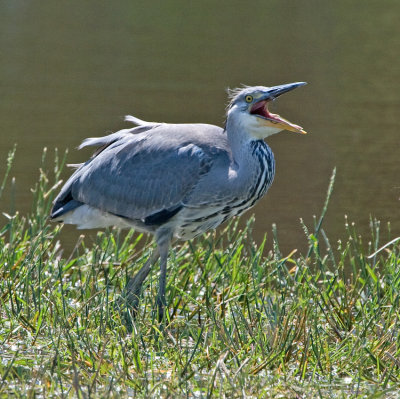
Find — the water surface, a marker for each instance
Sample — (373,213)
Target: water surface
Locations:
(71,70)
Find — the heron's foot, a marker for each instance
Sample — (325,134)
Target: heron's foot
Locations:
(127,310)
(128,302)
(161,306)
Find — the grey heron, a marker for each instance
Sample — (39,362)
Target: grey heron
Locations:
(176,181)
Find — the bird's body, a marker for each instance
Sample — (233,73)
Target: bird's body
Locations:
(176,180)
(202,186)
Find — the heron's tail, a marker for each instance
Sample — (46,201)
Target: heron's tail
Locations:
(139,122)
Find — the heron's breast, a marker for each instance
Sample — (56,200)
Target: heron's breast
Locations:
(225,202)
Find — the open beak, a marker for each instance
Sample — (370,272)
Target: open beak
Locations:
(260,109)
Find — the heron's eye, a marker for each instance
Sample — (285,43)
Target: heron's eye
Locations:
(248,99)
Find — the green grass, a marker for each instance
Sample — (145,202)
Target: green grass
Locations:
(243,322)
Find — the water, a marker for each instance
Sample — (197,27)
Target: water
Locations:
(71,70)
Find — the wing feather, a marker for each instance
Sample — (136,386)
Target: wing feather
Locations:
(137,175)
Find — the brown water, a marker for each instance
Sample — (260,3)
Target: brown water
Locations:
(71,70)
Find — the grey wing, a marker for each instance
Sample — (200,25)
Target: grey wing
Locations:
(137,177)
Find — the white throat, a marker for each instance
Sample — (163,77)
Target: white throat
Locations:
(251,125)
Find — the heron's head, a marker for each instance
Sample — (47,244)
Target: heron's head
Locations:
(248,110)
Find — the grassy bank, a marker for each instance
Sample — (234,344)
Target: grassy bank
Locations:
(242,323)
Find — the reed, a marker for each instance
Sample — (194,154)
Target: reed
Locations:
(243,321)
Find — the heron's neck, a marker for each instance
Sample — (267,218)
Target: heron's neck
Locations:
(240,141)
(253,161)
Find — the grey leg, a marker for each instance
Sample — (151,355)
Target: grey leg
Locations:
(131,293)
(133,287)
(163,242)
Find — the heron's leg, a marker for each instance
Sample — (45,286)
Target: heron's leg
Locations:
(163,242)
(132,289)
(131,293)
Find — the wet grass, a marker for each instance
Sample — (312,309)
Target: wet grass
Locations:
(243,322)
